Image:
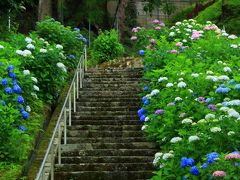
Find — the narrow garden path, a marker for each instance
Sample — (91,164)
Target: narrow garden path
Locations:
(105,140)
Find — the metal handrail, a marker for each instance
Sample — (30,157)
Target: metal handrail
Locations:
(76,83)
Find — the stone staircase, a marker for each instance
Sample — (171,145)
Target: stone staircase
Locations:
(105,141)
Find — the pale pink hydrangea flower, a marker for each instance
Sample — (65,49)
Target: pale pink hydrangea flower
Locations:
(174,51)
(157,28)
(232,156)
(179,44)
(133,38)
(155,21)
(219,173)
(196,35)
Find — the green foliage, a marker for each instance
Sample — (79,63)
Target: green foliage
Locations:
(106,47)
(182,14)
(212,13)
(54,32)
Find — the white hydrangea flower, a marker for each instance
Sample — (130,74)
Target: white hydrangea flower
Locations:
(58,46)
(223,78)
(162,79)
(27,53)
(180,79)
(193,138)
(178,99)
(43,50)
(219,62)
(28,109)
(26,72)
(182,84)
(209,116)
(230,133)
(154,92)
(235,102)
(36,88)
(233,113)
(227,69)
(169,84)
(225,34)
(34,79)
(19,52)
(188,30)
(61,66)
(178,23)
(144,127)
(175,139)
(224,109)
(30,46)
(28,40)
(187,121)
(167,156)
(171,34)
(195,75)
(215,129)
(147,119)
(1,47)
(157,158)
(191,91)
(212,78)
(209,72)
(234,46)
(184,40)
(34,95)
(232,36)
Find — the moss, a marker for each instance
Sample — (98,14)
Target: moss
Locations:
(182,14)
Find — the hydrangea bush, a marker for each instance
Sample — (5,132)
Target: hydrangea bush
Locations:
(190,105)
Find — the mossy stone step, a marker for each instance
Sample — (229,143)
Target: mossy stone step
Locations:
(104,175)
(105,127)
(106,159)
(107,109)
(106,104)
(97,133)
(78,140)
(104,122)
(105,116)
(105,167)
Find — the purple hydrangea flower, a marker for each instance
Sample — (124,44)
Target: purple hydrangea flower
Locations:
(159,111)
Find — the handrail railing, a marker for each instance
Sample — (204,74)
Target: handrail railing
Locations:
(53,147)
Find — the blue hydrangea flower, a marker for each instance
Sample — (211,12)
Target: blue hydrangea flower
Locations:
(208,100)
(10,67)
(8,90)
(222,90)
(144,98)
(141,112)
(184,178)
(190,161)
(14,81)
(146,102)
(232,81)
(184,162)
(84,40)
(211,157)
(194,171)
(3,103)
(21,109)
(76,29)
(71,56)
(20,100)
(24,115)
(141,52)
(142,118)
(12,75)
(237,86)
(22,128)
(17,89)
(222,85)
(4,81)
(204,166)
(146,88)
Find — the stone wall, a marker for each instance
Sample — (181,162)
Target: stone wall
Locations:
(144,18)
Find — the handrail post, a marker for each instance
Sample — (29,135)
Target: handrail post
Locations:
(74,97)
(65,125)
(80,73)
(77,82)
(70,109)
(85,58)
(59,145)
(52,162)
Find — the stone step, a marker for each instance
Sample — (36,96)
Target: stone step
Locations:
(124,109)
(112,86)
(93,70)
(105,159)
(96,133)
(115,90)
(120,93)
(111,152)
(103,175)
(94,146)
(105,127)
(107,98)
(104,167)
(104,122)
(103,116)
(109,75)
(111,79)
(105,103)
(75,140)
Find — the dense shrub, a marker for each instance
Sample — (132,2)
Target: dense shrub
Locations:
(191,101)
(106,47)
(71,40)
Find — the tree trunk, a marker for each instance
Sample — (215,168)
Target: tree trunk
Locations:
(121,15)
(44,9)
